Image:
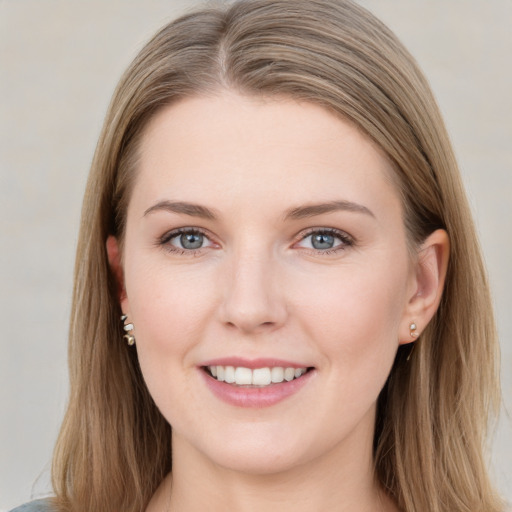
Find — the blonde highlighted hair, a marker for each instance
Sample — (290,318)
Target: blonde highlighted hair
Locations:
(429,445)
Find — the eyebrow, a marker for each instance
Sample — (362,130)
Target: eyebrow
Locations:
(303,212)
(194,210)
(300,212)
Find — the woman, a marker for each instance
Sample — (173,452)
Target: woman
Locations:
(275,213)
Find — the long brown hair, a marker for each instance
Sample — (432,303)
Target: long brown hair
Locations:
(114,447)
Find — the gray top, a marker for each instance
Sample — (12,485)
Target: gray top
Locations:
(35,506)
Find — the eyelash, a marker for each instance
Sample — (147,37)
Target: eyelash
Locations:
(164,241)
(345,239)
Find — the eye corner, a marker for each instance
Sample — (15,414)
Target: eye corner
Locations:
(324,240)
(189,241)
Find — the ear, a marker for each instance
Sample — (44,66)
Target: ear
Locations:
(427,285)
(114,259)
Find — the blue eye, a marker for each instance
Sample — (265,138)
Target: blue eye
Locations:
(190,240)
(184,240)
(322,241)
(325,240)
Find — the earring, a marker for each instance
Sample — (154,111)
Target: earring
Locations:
(130,339)
(412,328)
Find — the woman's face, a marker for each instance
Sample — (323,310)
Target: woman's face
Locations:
(265,242)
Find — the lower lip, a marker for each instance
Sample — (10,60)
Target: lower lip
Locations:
(253,396)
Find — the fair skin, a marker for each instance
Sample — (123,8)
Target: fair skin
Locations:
(268,233)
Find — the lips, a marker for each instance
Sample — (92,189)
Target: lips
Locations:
(257,383)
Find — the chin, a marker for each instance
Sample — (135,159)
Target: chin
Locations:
(248,449)
(260,462)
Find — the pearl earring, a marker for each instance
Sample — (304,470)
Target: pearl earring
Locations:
(130,339)
(412,328)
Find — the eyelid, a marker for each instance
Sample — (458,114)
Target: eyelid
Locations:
(164,240)
(346,239)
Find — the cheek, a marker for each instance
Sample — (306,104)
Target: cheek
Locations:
(170,306)
(354,316)
(170,309)
(355,327)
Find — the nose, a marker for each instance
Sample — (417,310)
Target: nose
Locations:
(253,299)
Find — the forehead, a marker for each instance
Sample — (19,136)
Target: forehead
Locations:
(217,147)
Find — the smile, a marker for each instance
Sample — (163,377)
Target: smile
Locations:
(259,384)
(258,377)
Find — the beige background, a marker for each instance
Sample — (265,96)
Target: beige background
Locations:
(59,62)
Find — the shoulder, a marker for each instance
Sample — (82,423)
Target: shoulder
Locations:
(36,506)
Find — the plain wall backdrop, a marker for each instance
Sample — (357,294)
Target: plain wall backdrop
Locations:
(59,63)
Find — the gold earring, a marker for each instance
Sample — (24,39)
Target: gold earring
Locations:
(130,339)
(412,328)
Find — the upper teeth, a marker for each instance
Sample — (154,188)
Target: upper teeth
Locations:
(257,377)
